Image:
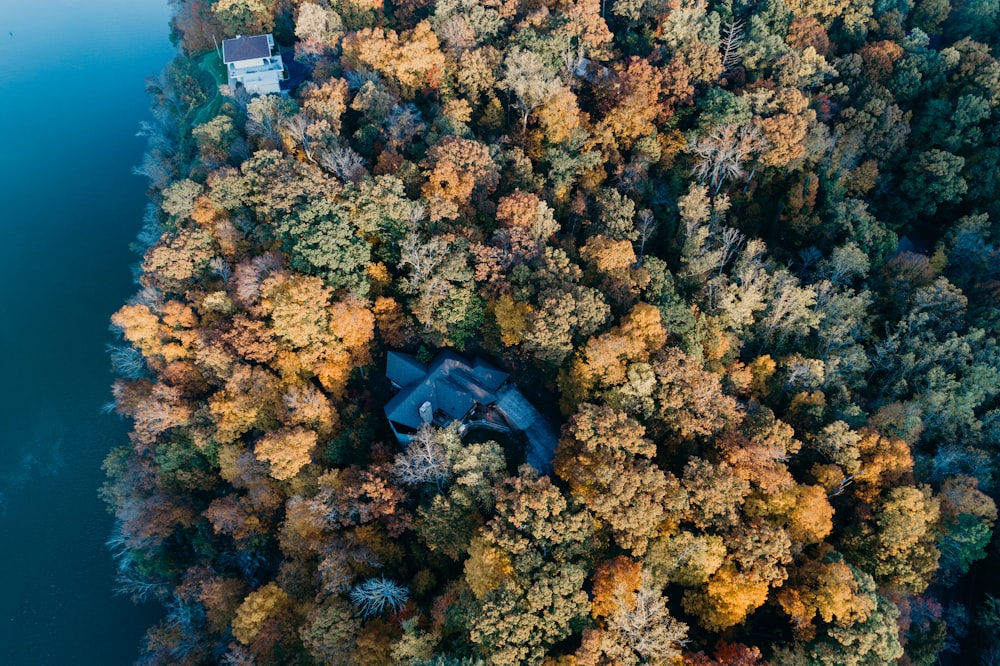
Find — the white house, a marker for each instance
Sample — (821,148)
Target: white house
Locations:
(253,62)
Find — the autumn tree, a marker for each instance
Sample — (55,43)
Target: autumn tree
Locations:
(458,171)
(608,465)
(528,79)
(545,538)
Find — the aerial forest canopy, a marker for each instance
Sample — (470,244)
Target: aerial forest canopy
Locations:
(740,253)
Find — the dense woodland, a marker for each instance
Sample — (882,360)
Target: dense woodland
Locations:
(677,223)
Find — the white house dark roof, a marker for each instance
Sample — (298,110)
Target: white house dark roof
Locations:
(451,384)
(246,48)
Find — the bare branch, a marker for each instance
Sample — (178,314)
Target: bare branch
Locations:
(732,39)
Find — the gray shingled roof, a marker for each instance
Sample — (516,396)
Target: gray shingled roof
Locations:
(489,376)
(245,48)
(403,370)
(451,384)
(405,405)
(523,416)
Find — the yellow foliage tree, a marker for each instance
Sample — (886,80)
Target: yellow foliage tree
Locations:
(259,606)
(287,451)
(512,318)
(486,568)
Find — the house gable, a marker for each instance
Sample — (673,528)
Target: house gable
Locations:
(403,370)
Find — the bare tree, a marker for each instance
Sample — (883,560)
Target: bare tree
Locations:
(421,256)
(343,161)
(531,83)
(266,116)
(789,310)
(403,123)
(155,166)
(150,297)
(646,628)
(722,154)
(127,361)
(809,256)
(297,127)
(646,225)
(375,595)
(128,581)
(425,460)
(732,39)
(221,268)
(730,241)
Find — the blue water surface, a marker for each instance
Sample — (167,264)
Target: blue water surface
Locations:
(72,94)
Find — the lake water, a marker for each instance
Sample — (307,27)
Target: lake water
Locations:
(72,93)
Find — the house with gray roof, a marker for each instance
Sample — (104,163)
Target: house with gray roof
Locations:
(254,63)
(474,393)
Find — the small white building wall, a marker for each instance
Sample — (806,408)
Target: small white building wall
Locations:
(264,87)
(261,76)
(248,64)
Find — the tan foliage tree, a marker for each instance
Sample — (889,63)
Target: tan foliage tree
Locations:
(221,597)
(685,557)
(611,257)
(330,631)
(147,521)
(906,554)
(229,515)
(356,496)
(826,589)
(352,323)
(456,169)
(560,117)
(715,492)
(486,568)
(250,338)
(727,654)
(606,461)
(886,462)
(513,319)
(154,408)
(527,211)
(140,326)
(390,320)
(727,599)
(586,27)
(634,107)
(250,399)
(178,258)
(305,405)
(326,101)
(287,451)
(414,59)
(604,359)
(297,305)
(477,71)
(758,560)
(689,400)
